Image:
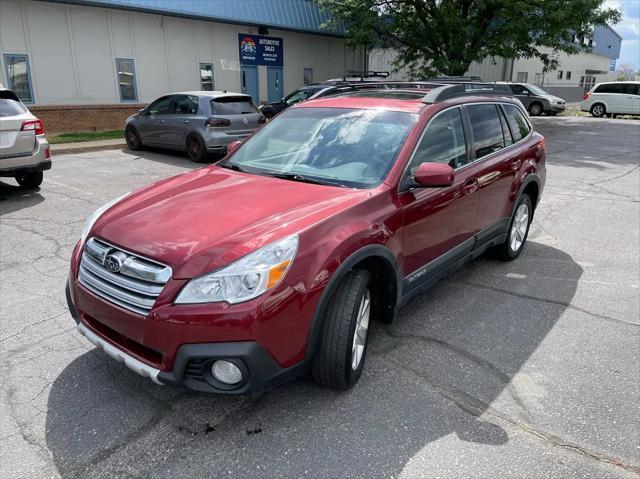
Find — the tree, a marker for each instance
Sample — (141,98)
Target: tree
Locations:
(626,71)
(443,37)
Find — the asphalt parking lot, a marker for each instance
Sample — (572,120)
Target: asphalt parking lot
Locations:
(527,369)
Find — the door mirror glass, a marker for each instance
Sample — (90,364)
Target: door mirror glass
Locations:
(233,146)
(434,175)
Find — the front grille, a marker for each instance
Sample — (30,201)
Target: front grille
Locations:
(123,278)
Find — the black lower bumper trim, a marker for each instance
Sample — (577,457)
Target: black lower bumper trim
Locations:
(42,166)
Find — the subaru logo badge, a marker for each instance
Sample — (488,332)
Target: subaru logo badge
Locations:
(245,120)
(114,262)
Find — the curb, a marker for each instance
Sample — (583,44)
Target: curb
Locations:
(68,149)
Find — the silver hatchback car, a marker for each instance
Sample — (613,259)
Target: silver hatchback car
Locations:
(24,150)
(202,123)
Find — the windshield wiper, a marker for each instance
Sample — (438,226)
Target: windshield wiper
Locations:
(231,166)
(305,179)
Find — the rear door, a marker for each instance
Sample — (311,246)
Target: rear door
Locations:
(240,111)
(498,159)
(522,94)
(13,141)
(182,120)
(439,223)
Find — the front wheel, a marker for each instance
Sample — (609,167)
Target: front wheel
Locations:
(535,109)
(133,139)
(342,346)
(30,180)
(518,230)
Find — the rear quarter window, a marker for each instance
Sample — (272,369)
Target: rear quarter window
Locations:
(230,105)
(517,123)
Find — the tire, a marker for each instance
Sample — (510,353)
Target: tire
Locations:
(535,109)
(196,149)
(518,230)
(340,357)
(598,110)
(30,180)
(133,139)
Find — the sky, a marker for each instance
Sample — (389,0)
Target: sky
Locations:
(629,30)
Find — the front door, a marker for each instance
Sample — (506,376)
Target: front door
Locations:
(249,82)
(439,223)
(152,127)
(275,85)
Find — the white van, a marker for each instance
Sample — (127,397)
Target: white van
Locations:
(613,98)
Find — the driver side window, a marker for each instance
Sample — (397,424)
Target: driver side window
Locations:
(161,106)
(442,142)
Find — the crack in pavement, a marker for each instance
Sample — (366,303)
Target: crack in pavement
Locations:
(549,301)
(478,408)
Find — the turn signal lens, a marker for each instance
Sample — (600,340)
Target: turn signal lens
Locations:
(277,273)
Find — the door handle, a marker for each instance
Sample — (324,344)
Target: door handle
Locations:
(470,186)
(185,121)
(160,121)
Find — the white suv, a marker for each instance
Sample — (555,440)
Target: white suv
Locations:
(613,98)
(24,150)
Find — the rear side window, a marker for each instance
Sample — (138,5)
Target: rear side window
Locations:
(486,128)
(442,142)
(517,122)
(233,105)
(613,88)
(9,105)
(186,105)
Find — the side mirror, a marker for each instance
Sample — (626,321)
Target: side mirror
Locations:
(434,175)
(142,111)
(233,146)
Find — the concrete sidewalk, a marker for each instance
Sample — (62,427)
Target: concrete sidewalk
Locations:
(84,146)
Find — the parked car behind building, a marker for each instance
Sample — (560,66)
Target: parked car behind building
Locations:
(612,98)
(198,122)
(24,150)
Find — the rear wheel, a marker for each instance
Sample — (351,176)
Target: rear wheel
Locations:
(342,345)
(598,110)
(196,149)
(133,139)
(518,230)
(30,180)
(535,109)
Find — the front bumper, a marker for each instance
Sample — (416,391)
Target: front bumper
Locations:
(192,364)
(555,108)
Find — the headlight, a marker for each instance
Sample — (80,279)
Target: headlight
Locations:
(245,279)
(96,214)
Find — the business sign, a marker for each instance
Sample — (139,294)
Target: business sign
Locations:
(612,65)
(260,50)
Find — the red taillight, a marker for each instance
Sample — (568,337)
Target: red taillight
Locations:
(217,122)
(586,96)
(33,125)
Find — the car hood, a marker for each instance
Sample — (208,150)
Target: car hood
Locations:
(204,219)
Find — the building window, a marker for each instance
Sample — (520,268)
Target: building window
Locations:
(126,79)
(522,77)
(308,76)
(568,76)
(18,76)
(206,76)
(560,74)
(539,79)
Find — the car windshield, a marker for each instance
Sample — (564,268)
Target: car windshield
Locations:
(335,146)
(536,89)
(301,95)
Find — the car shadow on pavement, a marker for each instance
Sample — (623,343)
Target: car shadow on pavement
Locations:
(447,366)
(14,198)
(169,157)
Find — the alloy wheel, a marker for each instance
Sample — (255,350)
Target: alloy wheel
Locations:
(360,333)
(519,228)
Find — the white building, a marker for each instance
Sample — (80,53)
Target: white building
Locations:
(87,64)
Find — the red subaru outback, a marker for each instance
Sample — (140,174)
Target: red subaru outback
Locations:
(242,275)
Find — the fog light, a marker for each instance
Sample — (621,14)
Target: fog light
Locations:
(226,372)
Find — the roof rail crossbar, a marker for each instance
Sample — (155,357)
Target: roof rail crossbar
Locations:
(453,90)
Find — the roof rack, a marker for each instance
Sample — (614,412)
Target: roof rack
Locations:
(457,89)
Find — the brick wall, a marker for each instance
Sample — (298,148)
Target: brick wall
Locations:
(73,118)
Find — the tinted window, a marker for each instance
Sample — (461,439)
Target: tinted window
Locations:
(610,88)
(17,67)
(517,122)
(487,131)
(161,106)
(126,79)
(301,95)
(508,140)
(355,148)
(11,108)
(629,89)
(519,90)
(233,105)
(442,142)
(186,105)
